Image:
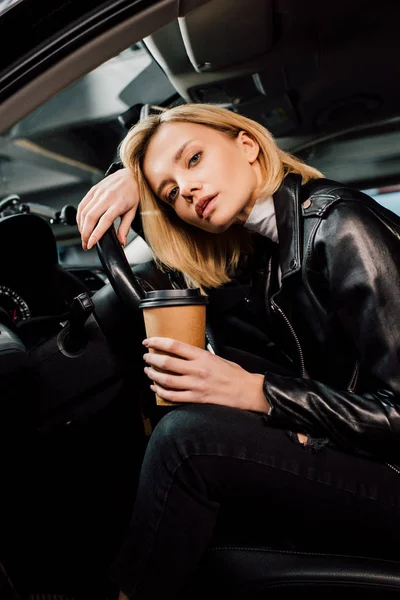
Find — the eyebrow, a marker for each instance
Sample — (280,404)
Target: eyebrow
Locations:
(177,158)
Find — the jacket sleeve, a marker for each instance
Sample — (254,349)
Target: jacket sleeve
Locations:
(362,256)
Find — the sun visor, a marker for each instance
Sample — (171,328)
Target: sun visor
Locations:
(223,33)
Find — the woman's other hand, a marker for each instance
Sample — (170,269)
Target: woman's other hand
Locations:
(115,196)
(196,375)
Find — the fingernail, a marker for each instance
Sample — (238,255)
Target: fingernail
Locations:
(84,246)
(91,242)
(145,357)
(145,342)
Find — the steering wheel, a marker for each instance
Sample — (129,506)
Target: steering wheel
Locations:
(126,286)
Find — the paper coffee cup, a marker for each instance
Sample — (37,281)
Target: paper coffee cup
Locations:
(176,314)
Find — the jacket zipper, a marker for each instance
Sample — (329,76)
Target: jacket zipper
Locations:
(275,307)
(354,378)
(395,468)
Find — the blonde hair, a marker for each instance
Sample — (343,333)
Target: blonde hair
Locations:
(205,259)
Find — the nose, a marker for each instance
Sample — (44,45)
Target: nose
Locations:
(189,189)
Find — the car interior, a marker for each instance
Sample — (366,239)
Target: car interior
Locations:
(76,409)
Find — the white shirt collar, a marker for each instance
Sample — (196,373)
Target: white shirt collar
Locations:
(262,219)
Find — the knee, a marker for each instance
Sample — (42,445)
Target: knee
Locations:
(180,431)
(179,425)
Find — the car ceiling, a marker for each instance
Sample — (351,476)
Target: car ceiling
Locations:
(326,65)
(308,70)
(323,77)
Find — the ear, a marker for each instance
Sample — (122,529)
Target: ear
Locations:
(249,146)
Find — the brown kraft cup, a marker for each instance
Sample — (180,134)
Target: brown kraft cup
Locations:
(176,314)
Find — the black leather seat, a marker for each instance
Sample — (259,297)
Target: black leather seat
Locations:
(267,573)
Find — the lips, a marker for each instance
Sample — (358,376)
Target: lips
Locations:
(201,204)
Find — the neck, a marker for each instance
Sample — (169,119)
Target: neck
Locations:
(244,214)
(256,194)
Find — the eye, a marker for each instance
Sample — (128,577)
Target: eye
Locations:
(195,159)
(172,194)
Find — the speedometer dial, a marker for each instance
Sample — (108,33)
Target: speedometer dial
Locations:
(14,305)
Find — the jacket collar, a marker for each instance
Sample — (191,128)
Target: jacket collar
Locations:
(287,211)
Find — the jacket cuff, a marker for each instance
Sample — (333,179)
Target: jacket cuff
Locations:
(284,412)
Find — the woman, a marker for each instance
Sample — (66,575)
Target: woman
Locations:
(209,183)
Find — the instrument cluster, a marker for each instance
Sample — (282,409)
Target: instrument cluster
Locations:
(14,305)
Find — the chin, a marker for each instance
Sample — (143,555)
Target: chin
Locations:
(216,223)
(220,223)
(218,227)
(212,228)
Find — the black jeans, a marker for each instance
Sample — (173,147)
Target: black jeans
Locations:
(213,472)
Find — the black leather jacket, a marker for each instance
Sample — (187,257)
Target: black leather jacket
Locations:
(337,314)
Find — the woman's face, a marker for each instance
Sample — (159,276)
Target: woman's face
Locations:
(208,178)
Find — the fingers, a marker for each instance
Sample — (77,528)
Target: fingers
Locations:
(181,349)
(125,225)
(180,397)
(168,380)
(92,232)
(99,217)
(96,193)
(113,197)
(82,205)
(168,363)
(94,209)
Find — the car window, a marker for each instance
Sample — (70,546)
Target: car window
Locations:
(53,156)
(388,196)
(56,154)
(363,157)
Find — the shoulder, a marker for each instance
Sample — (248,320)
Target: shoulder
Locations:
(327,198)
(320,194)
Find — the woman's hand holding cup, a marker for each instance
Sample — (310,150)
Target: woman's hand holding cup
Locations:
(115,196)
(183,373)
